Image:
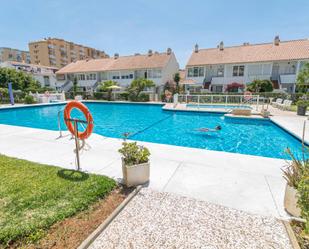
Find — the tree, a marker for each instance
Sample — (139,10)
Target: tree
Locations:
(20,80)
(303,79)
(177,79)
(106,87)
(139,85)
(75,83)
(259,86)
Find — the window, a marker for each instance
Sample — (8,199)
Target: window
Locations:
(81,77)
(190,72)
(91,76)
(200,71)
(220,71)
(196,72)
(46,81)
(114,75)
(238,70)
(126,75)
(155,73)
(104,76)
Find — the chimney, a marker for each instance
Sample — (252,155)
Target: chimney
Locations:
(276,40)
(169,51)
(149,52)
(221,45)
(116,56)
(196,48)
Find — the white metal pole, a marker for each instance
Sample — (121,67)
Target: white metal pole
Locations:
(76,144)
(198,101)
(257,102)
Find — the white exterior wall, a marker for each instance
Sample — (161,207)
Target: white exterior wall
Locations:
(52,80)
(169,70)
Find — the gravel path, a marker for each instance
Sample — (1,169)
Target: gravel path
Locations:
(163,220)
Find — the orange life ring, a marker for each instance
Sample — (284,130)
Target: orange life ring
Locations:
(67,116)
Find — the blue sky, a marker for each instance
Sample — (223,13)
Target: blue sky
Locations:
(131,26)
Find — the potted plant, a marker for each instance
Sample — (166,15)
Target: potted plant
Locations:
(302,105)
(293,173)
(135,164)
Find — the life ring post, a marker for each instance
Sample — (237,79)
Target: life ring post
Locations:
(72,125)
(76,144)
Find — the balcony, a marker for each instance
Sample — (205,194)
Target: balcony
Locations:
(287,78)
(227,80)
(238,79)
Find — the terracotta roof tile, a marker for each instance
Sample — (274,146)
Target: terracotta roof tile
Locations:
(287,50)
(121,63)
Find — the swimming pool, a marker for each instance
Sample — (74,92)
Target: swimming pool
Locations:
(147,122)
(227,107)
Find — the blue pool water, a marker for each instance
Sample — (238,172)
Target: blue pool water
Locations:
(219,106)
(150,123)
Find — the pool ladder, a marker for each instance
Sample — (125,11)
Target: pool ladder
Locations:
(59,124)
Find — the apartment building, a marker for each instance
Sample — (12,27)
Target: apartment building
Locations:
(12,54)
(45,75)
(58,53)
(158,67)
(278,61)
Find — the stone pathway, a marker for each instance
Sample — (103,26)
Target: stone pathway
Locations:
(164,220)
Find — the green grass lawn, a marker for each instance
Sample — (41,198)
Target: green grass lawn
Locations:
(34,196)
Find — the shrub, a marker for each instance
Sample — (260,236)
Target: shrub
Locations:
(100,95)
(134,154)
(124,96)
(258,86)
(29,99)
(303,79)
(304,103)
(143,97)
(303,201)
(294,170)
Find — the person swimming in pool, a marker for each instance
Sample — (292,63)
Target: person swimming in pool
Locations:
(217,128)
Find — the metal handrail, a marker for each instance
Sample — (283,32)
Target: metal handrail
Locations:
(226,98)
(59,124)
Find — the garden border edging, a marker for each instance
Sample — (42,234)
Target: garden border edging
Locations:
(90,239)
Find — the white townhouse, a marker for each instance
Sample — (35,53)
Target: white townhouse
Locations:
(158,67)
(279,61)
(43,74)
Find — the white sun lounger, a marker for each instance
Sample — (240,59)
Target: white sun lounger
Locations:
(277,102)
(286,105)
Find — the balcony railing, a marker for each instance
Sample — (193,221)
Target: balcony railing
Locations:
(238,79)
(287,78)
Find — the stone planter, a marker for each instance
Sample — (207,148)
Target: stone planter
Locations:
(290,201)
(135,174)
(301,110)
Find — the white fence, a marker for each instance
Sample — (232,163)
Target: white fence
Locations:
(48,97)
(218,99)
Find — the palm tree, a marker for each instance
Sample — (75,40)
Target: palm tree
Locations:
(139,85)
